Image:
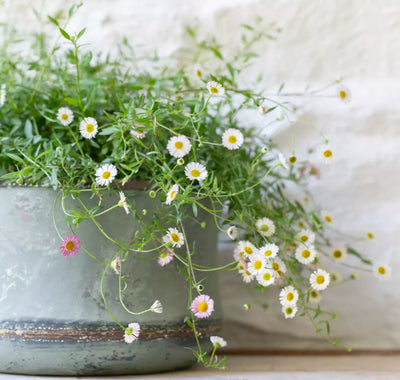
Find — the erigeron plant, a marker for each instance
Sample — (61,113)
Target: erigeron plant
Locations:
(80,124)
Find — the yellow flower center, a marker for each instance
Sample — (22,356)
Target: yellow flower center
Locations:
(232,139)
(264,228)
(320,279)
(292,159)
(328,153)
(106,175)
(257,265)
(129,331)
(337,254)
(174,237)
(290,296)
(328,218)
(116,265)
(195,173)
(306,253)
(267,276)
(304,238)
(89,128)
(268,252)
(173,194)
(203,307)
(334,277)
(370,235)
(69,246)
(381,270)
(275,266)
(248,250)
(214,90)
(179,145)
(289,310)
(342,94)
(314,294)
(64,116)
(199,73)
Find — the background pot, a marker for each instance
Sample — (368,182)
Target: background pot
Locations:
(52,316)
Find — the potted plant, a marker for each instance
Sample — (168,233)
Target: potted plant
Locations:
(115,185)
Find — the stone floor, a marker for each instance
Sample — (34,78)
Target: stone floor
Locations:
(361,366)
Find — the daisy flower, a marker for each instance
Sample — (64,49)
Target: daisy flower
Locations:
(172,193)
(70,245)
(247,277)
(315,296)
(263,108)
(179,146)
(138,132)
(232,232)
(199,71)
(266,277)
(65,115)
(165,257)
(174,237)
(88,127)
(215,88)
(278,266)
(247,249)
(305,255)
(202,306)
(338,254)
(288,296)
(292,160)
(217,341)
(132,332)
(289,311)
(256,264)
(382,271)
(197,171)
(326,154)
(319,279)
(269,250)
(106,174)
(265,227)
(282,161)
(122,202)
(116,265)
(3,94)
(156,307)
(232,139)
(343,93)
(306,236)
(326,217)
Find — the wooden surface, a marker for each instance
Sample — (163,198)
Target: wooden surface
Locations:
(356,366)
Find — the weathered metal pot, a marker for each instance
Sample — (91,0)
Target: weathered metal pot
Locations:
(52,315)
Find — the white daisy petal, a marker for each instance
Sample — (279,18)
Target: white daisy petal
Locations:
(132,332)
(217,341)
(319,279)
(196,171)
(179,146)
(138,132)
(232,139)
(215,88)
(123,203)
(3,94)
(65,115)
(277,265)
(156,307)
(265,227)
(172,194)
(88,127)
(232,232)
(116,265)
(282,161)
(106,174)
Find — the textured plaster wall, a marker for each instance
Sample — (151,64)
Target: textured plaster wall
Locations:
(321,40)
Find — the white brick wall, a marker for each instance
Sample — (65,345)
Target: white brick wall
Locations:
(356,39)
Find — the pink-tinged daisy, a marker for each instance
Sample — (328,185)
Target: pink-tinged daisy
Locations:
(132,332)
(172,193)
(70,245)
(137,132)
(202,306)
(165,257)
(116,265)
(217,341)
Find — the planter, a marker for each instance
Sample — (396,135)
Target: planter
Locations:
(52,316)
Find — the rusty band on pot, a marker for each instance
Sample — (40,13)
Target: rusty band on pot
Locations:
(57,332)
